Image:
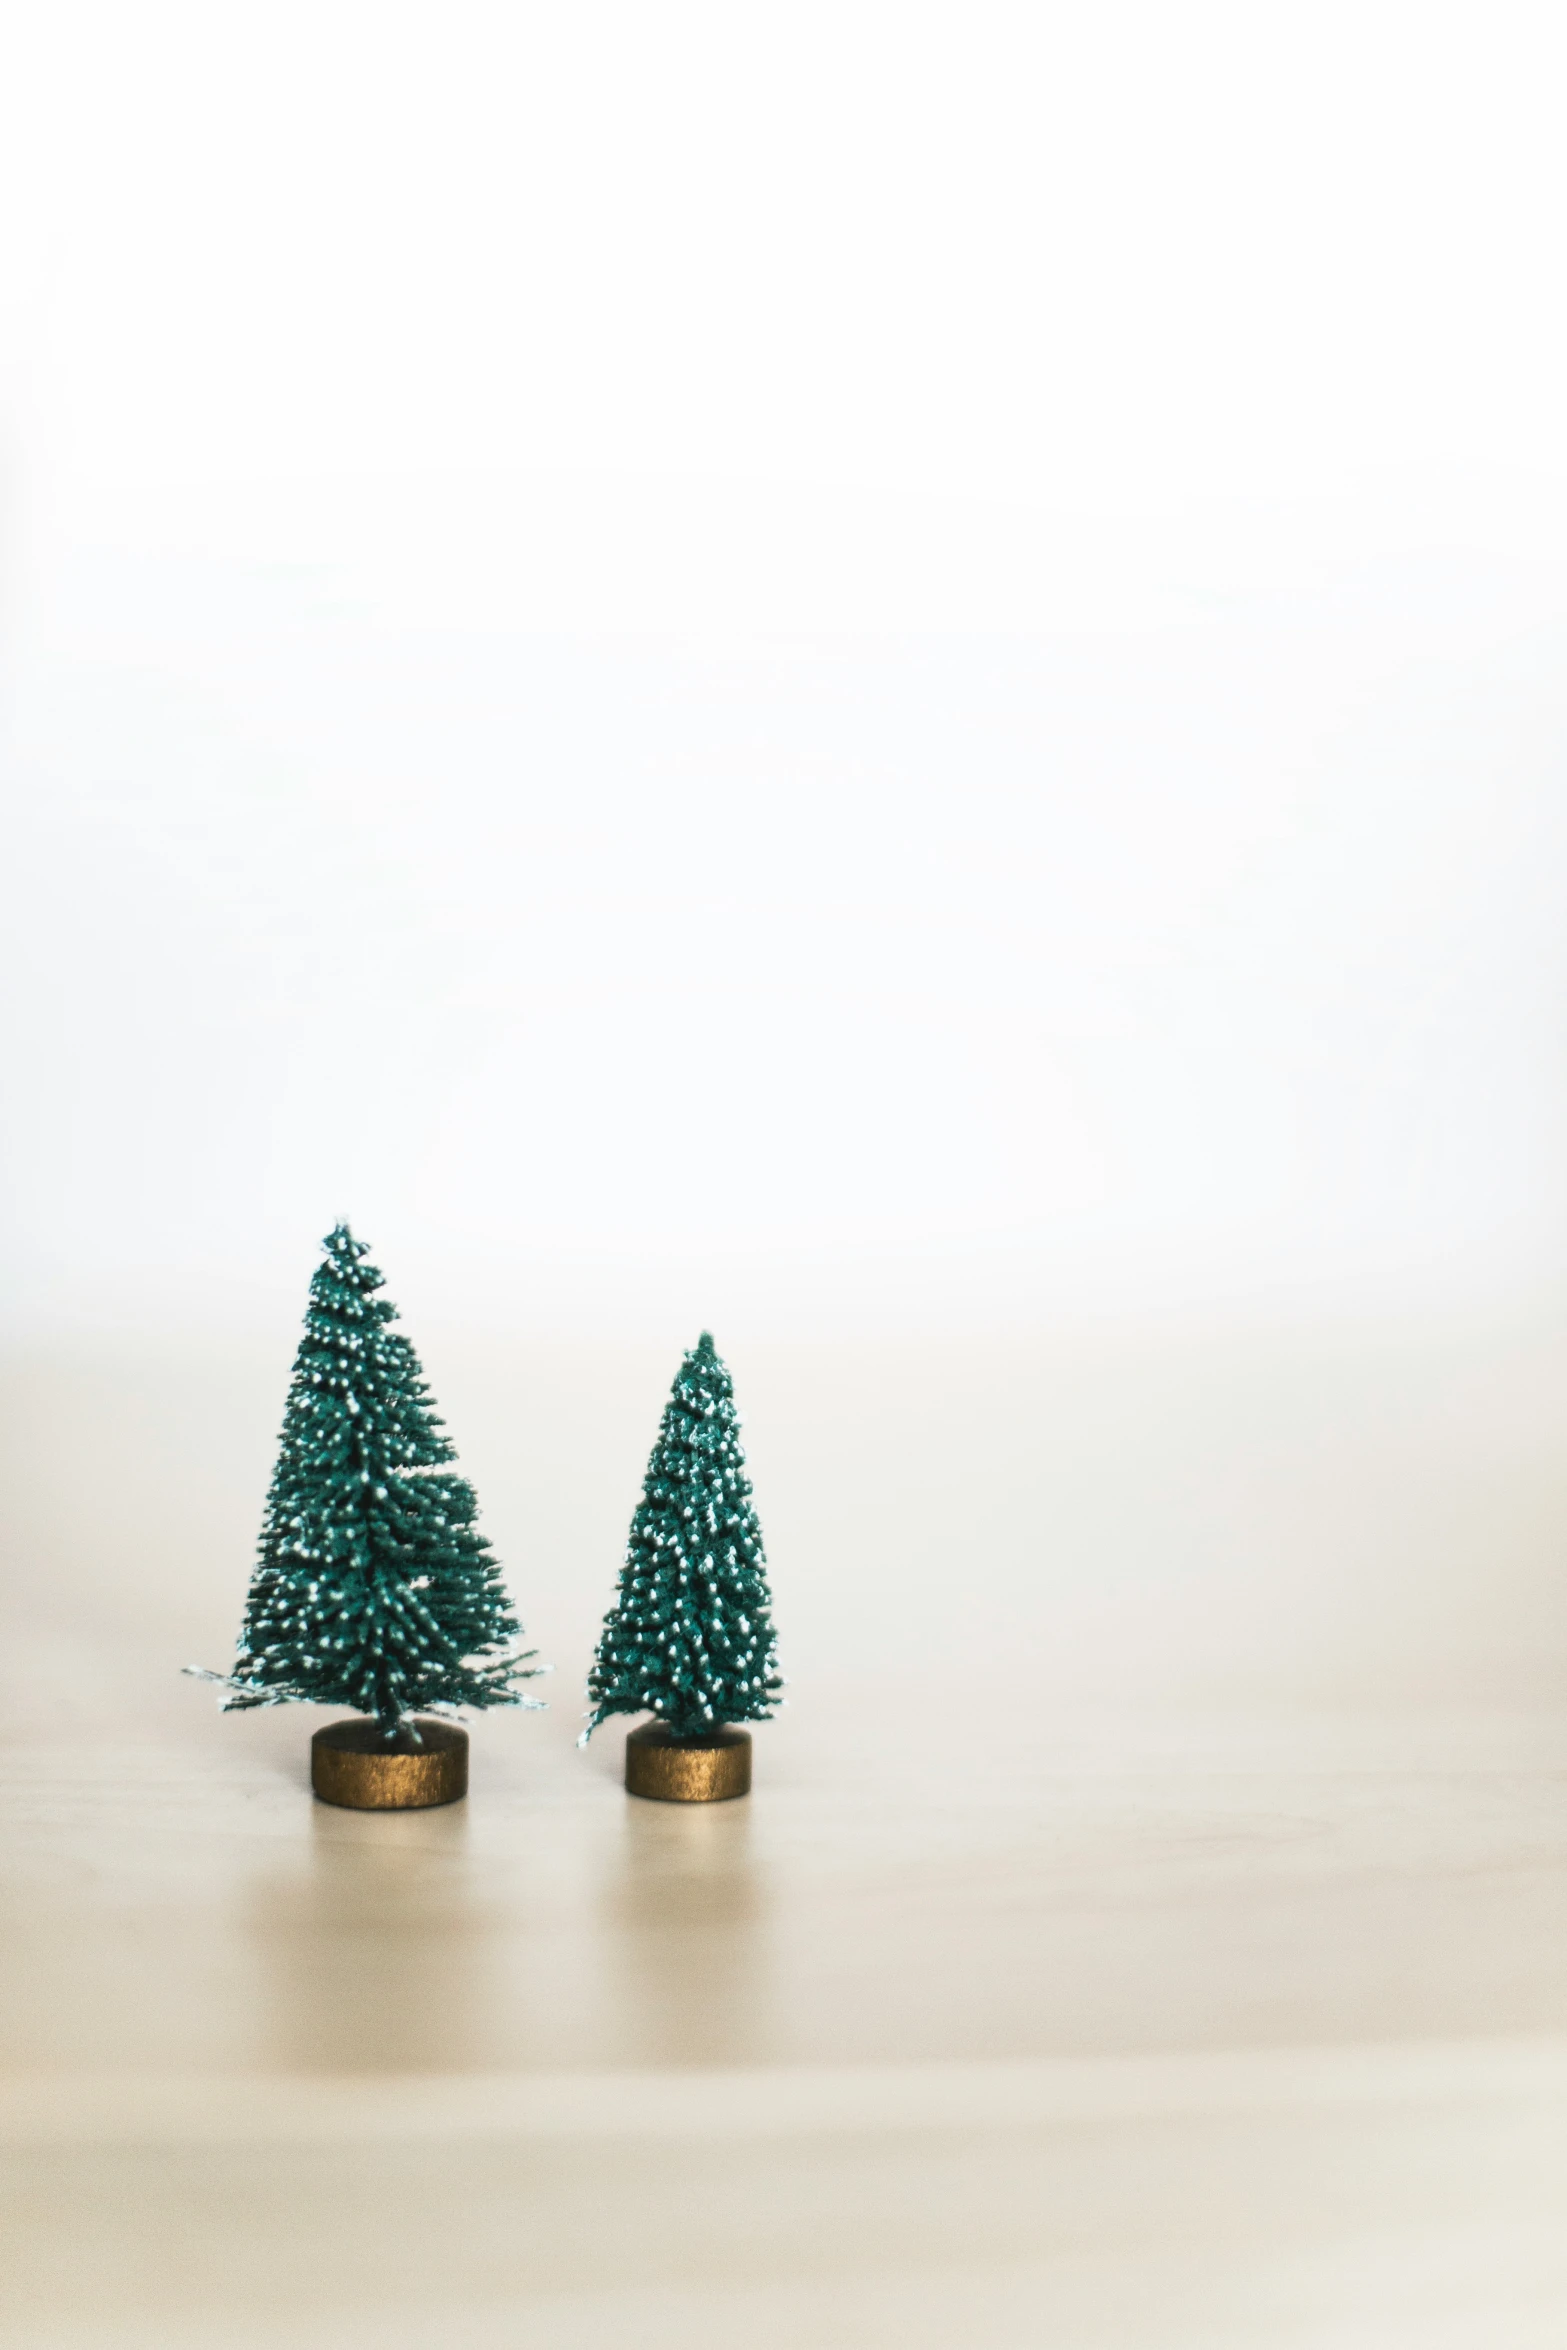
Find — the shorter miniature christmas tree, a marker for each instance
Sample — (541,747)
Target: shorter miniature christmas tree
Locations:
(690,1637)
(374,1587)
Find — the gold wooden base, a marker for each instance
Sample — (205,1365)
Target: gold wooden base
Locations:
(353,1764)
(709,1769)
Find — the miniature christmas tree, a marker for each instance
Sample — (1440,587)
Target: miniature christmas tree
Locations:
(374,1588)
(690,1637)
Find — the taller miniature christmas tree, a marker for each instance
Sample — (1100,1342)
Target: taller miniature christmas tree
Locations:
(690,1637)
(374,1587)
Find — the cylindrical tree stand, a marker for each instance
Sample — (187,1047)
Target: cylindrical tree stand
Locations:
(354,1764)
(707,1769)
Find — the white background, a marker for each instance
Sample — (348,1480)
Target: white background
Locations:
(785,667)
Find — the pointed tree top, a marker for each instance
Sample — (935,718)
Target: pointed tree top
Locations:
(704,1375)
(340,1242)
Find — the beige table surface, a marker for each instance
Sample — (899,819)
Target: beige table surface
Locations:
(1094,1965)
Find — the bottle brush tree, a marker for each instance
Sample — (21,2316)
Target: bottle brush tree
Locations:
(374,1588)
(690,1636)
